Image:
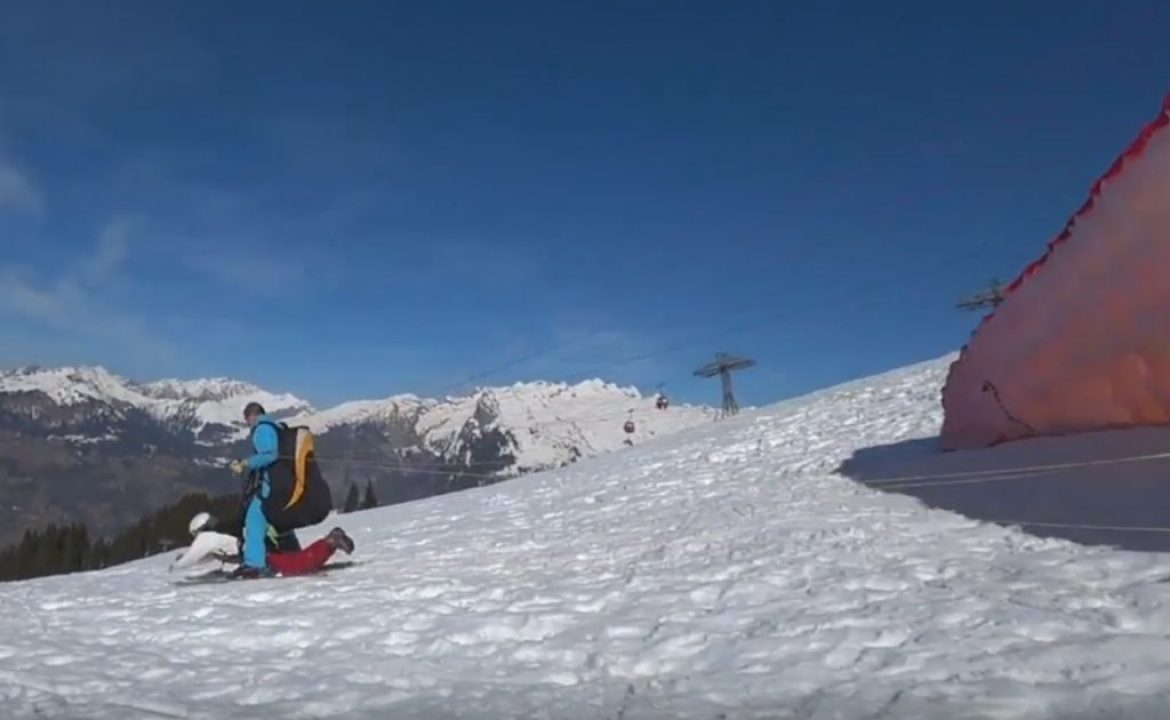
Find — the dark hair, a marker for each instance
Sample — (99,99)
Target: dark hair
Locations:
(253,408)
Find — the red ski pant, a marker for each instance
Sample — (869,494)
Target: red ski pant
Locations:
(305,560)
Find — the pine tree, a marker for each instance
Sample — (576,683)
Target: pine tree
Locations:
(370,500)
(76,548)
(352,499)
(26,555)
(68,548)
(98,556)
(43,552)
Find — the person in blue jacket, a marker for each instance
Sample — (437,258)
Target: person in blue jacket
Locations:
(266,445)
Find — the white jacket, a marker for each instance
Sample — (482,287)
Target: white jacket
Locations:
(209,546)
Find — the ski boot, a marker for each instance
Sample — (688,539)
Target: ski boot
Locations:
(247,572)
(338,540)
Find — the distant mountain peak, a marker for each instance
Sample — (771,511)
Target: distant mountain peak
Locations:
(535,423)
(198,403)
(218,388)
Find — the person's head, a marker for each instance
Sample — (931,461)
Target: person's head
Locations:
(252,413)
(202,521)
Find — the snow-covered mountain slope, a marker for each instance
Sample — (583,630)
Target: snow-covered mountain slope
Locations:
(586,418)
(545,424)
(724,572)
(503,431)
(195,403)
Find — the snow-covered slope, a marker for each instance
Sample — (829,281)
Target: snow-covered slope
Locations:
(589,417)
(547,424)
(364,411)
(724,572)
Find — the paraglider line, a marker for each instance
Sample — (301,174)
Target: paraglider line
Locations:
(990,386)
(991,475)
(1083,526)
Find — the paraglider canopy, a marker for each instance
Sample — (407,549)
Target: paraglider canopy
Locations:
(1080,341)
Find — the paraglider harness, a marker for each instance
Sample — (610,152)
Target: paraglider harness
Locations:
(298,495)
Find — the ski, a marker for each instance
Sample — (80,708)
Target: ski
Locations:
(221,575)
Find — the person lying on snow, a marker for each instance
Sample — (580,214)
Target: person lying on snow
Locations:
(211,545)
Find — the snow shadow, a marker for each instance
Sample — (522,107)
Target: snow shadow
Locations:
(1117,494)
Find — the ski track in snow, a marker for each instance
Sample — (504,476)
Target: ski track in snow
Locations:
(718,573)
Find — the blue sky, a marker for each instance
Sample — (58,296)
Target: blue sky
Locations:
(354,199)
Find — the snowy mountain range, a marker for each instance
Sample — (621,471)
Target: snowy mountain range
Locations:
(89,437)
(206,408)
(732,570)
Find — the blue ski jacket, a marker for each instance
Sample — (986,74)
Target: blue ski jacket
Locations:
(265,443)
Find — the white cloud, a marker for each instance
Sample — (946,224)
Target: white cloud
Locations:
(112,249)
(248,269)
(17,192)
(74,302)
(251,275)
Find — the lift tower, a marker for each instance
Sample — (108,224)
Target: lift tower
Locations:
(723,366)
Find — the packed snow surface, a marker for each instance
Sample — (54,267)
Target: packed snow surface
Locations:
(724,572)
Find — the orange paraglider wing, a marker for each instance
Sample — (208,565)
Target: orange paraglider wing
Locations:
(1081,339)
